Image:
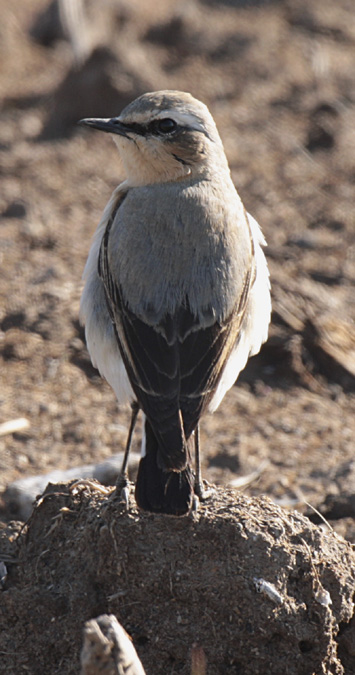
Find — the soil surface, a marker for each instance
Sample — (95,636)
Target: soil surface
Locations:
(278,78)
(258,590)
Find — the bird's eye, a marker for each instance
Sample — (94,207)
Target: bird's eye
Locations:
(166,125)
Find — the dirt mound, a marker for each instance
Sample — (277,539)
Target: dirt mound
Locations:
(260,590)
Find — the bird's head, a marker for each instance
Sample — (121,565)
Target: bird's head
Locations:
(164,136)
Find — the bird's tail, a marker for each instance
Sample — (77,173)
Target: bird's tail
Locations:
(159,490)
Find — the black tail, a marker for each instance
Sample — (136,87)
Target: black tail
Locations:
(162,491)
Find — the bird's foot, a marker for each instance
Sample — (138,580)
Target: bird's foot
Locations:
(120,496)
(121,492)
(203,491)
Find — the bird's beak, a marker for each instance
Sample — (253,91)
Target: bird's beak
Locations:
(112,126)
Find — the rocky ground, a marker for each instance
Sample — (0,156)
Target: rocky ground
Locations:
(279,80)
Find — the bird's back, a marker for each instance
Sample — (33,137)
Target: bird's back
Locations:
(184,240)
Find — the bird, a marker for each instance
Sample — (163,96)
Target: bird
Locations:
(177,290)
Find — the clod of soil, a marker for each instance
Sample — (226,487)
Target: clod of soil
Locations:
(259,589)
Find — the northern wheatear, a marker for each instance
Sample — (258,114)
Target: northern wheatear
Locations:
(177,293)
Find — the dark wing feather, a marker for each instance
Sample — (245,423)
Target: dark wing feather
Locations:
(204,356)
(153,369)
(174,367)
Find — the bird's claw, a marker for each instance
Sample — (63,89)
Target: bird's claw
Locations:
(124,496)
(201,494)
(122,490)
(195,504)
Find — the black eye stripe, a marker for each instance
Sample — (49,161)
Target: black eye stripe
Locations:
(152,128)
(139,129)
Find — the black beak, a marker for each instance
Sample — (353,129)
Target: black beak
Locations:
(112,126)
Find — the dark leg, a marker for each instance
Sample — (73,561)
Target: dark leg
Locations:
(198,477)
(200,491)
(122,480)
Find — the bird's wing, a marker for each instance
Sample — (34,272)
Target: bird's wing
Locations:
(205,354)
(174,366)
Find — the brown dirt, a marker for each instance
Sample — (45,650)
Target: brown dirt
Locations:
(279,80)
(174,583)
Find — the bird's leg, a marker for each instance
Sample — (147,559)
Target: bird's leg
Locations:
(122,480)
(199,489)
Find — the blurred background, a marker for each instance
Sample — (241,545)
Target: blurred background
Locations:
(278,78)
